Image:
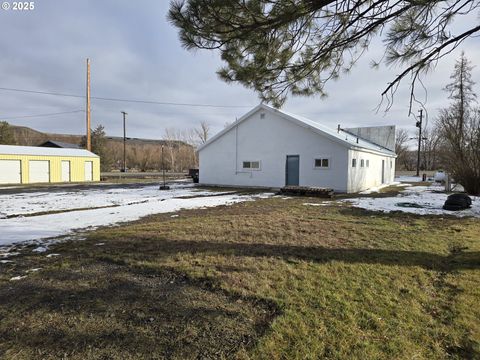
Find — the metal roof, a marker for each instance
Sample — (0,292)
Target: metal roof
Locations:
(60,144)
(342,137)
(43,151)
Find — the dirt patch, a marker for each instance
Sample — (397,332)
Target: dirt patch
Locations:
(118,311)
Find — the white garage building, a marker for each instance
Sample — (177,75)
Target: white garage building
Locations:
(271,148)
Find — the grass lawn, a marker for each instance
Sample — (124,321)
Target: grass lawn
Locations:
(267,279)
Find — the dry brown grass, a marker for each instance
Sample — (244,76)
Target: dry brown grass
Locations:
(270,279)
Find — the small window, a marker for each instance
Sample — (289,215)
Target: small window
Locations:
(362,163)
(368,163)
(262,115)
(354,162)
(391,164)
(251,165)
(322,163)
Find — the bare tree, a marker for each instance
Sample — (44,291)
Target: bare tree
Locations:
(180,147)
(461,151)
(203,132)
(401,148)
(430,148)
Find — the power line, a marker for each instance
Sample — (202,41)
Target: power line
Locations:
(39,115)
(124,100)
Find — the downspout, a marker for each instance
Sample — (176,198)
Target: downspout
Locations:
(236,146)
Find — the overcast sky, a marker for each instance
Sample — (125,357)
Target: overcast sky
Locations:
(135,54)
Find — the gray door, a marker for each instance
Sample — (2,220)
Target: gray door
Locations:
(383,171)
(293,170)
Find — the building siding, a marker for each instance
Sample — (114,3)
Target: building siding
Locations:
(77,166)
(360,179)
(269,139)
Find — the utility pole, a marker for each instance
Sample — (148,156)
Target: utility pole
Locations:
(124,143)
(164,186)
(89,139)
(419,126)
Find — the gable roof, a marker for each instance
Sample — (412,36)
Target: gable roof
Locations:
(44,151)
(342,137)
(59,144)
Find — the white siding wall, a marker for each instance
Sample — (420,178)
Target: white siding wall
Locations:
(367,177)
(269,140)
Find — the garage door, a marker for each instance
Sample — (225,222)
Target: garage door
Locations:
(65,171)
(39,171)
(88,170)
(10,172)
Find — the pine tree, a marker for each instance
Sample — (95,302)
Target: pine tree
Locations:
(459,127)
(99,147)
(461,89)
(298,46)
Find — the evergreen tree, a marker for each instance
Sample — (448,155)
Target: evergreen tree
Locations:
(6,134)
(459,127)
(99,147)
(461,89)
(297,46)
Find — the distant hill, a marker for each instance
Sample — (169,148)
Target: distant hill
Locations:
(26,136)
(142,154)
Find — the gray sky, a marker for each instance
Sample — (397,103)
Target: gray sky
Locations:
(136,54)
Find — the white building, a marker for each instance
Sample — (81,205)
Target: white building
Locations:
(271,148)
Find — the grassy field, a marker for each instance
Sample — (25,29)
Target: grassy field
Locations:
(269,279)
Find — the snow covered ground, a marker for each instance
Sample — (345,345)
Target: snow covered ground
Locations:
(409,179)
(429,199)
(36,202)
(106,207)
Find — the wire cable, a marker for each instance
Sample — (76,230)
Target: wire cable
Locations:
(123,100)
(38,115)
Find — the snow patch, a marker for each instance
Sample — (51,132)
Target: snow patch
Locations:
(40,249)
(428,200)
(318,204)
(133,204)
(377,189)
(16,278)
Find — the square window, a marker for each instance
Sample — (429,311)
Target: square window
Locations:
(251,165)
(354,162)
(322,163)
